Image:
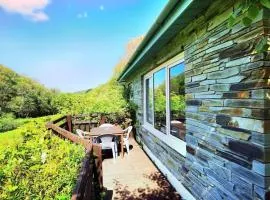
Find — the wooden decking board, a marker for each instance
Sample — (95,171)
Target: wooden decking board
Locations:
(135,177)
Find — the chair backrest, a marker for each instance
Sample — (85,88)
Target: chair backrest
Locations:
(128,130)
(106,125)
(80,133)
(105,138)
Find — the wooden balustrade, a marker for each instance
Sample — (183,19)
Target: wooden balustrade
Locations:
(85,122)
(90,179)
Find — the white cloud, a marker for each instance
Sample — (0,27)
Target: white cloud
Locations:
(101,7)
(32,9)
(82,15)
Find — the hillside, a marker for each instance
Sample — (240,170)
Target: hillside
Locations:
(108,97)
(23,96)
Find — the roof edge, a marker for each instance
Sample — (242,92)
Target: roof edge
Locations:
(152,31)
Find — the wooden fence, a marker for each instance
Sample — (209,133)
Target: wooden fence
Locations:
(85,122)
(90,179)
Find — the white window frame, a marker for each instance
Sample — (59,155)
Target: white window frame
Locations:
(172,141)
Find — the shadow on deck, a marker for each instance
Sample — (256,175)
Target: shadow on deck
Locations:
(135,177)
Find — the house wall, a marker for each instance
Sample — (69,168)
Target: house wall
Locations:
(228,115)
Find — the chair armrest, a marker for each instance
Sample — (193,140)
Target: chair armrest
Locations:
(87,137)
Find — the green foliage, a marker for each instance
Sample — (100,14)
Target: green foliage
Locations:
(8,82)
(39,166)
(262,45)
(246,13)
(178,103)
(107,98)
(22,96)
(265,3)
(8,122)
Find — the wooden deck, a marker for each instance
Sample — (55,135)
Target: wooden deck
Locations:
(135,177)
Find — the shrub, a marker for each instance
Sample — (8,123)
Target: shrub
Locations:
(107,98)
(42,166)
(8,122)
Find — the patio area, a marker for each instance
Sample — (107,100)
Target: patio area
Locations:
(132,177)
(135,177)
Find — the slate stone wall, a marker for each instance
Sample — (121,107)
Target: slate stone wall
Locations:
(228,108)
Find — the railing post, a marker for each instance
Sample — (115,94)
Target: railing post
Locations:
(102,119)
(69,123)
(97,150)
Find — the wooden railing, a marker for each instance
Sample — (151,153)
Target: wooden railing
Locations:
(85,122)
(90,179)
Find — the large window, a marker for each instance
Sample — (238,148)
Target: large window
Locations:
(165,102)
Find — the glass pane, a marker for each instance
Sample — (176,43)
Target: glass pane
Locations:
(160,100)
(177,101)
(149,100)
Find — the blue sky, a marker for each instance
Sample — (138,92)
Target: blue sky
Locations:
(71,44)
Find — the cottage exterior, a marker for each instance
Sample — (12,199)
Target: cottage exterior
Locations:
(217,146)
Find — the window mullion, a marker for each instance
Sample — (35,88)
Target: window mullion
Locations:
(144,102)
(167,101)
(153,103)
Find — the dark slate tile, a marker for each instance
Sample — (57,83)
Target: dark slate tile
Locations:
(251,151)
(236,159)
(190,150)
(237,95)
(194,102)
(249,85)
(192,85)
(238,50)
(223,120)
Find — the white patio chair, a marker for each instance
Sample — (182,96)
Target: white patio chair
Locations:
(126,138)
(106,125)
(108,142)
(82,134)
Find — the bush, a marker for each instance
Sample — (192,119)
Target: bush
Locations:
(8,122)
(107,98)
(42,166)
(23,96)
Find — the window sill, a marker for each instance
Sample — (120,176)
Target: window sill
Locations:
(176,144)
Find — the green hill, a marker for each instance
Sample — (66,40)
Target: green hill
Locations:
(23,96)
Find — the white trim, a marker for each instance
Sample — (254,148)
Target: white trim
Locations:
(168,120)
(185,194)
(175,143)
(144,99)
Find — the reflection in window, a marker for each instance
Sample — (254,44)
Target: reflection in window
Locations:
(177,101)
(160,100)
(149,100)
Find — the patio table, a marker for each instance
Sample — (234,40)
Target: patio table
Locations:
(114,130)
